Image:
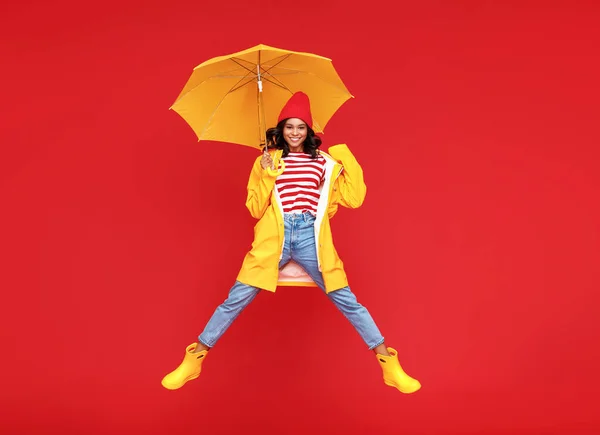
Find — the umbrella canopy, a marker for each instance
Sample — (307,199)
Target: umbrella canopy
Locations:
(235,98)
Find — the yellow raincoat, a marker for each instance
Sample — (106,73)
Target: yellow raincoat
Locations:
(344,185)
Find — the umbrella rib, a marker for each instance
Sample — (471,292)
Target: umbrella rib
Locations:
(207,79)
(250,76)
(263,68)
(232,89)
(293,71)
(267,71)
(239,86)
(276,83)
(234,60)
(250,72)
(278,59)
(272,79)
(238,62)
(236,87)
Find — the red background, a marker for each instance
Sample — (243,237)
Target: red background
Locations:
(476,250)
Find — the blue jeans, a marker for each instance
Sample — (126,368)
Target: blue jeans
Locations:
(299,245)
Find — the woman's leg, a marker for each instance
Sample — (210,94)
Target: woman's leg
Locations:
(359,317)
(303,251)
(240,296)
(190,368)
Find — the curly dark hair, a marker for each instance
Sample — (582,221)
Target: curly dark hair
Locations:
(275,140)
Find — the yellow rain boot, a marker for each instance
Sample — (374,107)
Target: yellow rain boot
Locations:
(394,376)
(189,369)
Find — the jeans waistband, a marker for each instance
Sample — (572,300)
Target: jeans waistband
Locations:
(305,216)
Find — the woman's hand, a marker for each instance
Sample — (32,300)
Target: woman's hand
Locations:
(266,161)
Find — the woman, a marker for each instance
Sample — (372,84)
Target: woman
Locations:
(292,240)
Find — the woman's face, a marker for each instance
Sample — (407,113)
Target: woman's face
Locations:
(294,132)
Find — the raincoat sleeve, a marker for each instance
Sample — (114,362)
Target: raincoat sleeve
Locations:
(350,185)
(260,187)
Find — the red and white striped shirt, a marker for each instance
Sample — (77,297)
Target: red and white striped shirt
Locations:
(298,186)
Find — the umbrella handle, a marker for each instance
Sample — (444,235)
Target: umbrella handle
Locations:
(278,171)
(279,165)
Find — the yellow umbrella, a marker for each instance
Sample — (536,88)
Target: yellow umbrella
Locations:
(235,98)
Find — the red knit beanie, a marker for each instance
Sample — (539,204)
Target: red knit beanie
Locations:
(298,106)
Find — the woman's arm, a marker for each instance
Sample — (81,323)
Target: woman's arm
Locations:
(260,187)
(350,187)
